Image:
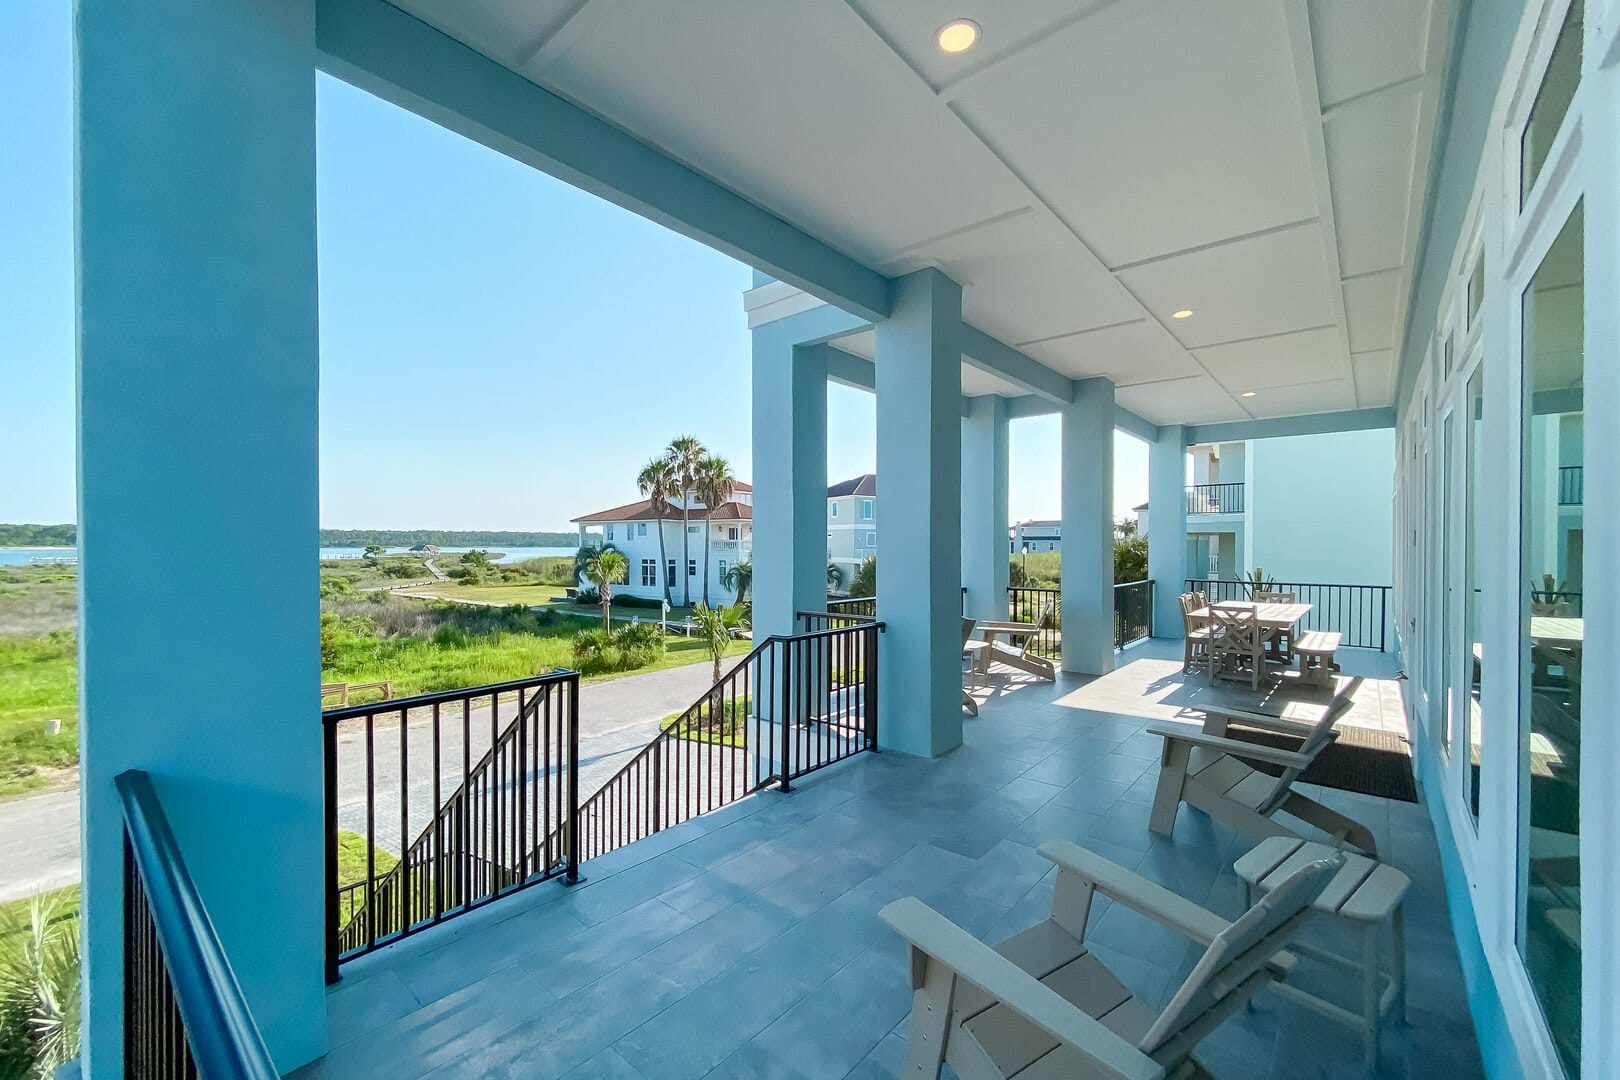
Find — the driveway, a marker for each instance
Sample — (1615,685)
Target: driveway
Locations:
(39,835)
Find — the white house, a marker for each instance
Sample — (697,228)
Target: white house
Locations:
(852,522)
(1039,535)
(633,529)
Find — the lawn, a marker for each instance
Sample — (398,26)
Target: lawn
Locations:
(726,725)
(38,681)
(533,594)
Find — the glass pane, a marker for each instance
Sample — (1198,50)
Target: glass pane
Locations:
(1551,633)
(1476,288)
(1448,576)
(1473,502)
(1557,90)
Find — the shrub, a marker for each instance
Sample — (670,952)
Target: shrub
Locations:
(39,986)
(636,656)
(593,640)
(336,587)
(589,596)
(640,636)
(452,637)
(401,570)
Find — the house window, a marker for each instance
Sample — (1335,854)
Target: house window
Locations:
(691,568)
(641,529)
(671,576)
(731,534)
(722,569)
(866,509)
(1557,90)
(610,532)
(871,539)
(649,573)
(834,509)
(1551,616)
(693,530)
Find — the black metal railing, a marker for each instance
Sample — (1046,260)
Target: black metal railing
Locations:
(1214,498)
(1571,485)
(865,606)
(1133,612)
(1358,613)
(184,1012)
(1564,602)
(795,704)
(1032,604)
(465,796)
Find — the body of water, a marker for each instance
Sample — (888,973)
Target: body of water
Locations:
(15,556)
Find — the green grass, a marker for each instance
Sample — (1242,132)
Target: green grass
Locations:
(38,681)
(723,726)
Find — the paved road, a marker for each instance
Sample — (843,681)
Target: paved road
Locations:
(39,835)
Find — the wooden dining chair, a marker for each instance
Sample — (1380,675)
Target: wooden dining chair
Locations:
(1236,641)
(1196,627)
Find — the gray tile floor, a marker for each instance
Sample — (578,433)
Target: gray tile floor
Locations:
(747,944)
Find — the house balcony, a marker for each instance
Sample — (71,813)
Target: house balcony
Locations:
(747,943)
(1214,498)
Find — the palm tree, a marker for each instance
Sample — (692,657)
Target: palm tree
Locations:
(605,569)
(711,628)
(715,483)
(583,557)
(656,481)
(739,578)
(684,455)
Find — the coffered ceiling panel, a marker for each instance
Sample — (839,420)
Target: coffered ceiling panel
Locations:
(1375,377)
(1369,151)
(1275,361)
(1369,306)
(1364,44)
(1248,288)
(1159,127)
(1304,398)
(1132,352)
(1195,400)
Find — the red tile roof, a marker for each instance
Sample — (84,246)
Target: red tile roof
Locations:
(642,511)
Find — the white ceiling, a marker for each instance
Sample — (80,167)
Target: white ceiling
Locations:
(1085,170)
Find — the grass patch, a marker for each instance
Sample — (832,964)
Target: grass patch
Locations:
(38,681)
(529,594)
(723,723)
(35,600)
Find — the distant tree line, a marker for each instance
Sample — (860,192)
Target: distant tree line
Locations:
(39,535)
(440,538)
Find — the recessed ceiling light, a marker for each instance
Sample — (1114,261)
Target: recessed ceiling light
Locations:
(958,35)
(1247,393)
(1184,313)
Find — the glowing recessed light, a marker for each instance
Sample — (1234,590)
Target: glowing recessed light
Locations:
(1184,313)
(1247,393)
(958,35)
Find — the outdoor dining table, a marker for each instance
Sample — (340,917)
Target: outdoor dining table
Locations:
(1282,618)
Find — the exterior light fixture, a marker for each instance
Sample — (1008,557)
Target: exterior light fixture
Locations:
(1184,313)
(1247,393)
(958,35)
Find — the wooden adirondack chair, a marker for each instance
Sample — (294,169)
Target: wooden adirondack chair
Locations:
(1020,637)
(1207,770)
(1195,645)
(1040,1006)
(970,651)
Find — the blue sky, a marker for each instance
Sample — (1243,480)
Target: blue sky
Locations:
(498,349)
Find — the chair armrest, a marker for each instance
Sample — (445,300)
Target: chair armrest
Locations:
(971,959)
(1288,759)
(1135,891)
(1280,724)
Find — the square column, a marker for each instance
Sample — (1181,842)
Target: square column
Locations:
(790,481)
(198,372)
(1087,454)
(919,455)
(1167,528)
(984,507)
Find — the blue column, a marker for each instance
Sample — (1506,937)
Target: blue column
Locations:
(198,370)
(984,507)
(1087,454)
(919,456)
(790,480)
(1167,528)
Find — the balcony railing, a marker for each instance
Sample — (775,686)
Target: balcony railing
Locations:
(1358,613)
(1571,485)
(184,1013)
(1214,498)
(474,788)
(1133,612)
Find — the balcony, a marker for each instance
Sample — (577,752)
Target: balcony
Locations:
(1214,498)
(746,942)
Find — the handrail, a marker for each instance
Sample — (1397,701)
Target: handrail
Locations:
(219,1026)
(441,697)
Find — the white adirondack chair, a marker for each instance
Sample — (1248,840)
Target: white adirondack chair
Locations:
(1040,1006)
(1207,770)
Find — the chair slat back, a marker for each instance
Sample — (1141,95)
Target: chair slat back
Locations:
(1275,598)
(1321,734)
(1238,950)
(967,630)
(1236,630)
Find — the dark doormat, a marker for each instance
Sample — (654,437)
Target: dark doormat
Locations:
(1362,760)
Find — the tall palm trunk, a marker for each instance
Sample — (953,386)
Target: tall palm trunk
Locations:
(686,547)
(708,528)
(663,559)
